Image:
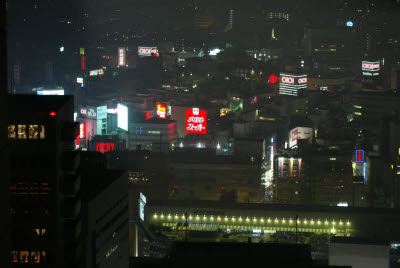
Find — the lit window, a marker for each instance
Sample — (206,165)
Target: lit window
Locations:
(35,256)
(14,256)
(22,132)
(42,132)
(11,132)
(33,132)
(24,256)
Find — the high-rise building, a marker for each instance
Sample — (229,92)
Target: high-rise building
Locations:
(44,219)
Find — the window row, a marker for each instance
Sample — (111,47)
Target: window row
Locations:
(30,188)
(25,256)
(23,132)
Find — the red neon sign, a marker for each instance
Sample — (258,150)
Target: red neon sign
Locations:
(83,63)
(273,79)
(196,121)
(359,156)
(147,116)
(162,110)
(105,147)
(82,130)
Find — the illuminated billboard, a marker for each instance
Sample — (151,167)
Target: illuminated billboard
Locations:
(50,92)
(122,116)
(96,72)
(121,56)
(291,85)
(83,63)
(196,121)
(148,51)
(371,68)
(299,133)
(161,110)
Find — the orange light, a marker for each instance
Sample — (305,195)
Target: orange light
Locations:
(52,113)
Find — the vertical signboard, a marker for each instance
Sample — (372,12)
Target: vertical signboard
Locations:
(142,204)
(122,116)
(121,56)
(82,130)
(196,121)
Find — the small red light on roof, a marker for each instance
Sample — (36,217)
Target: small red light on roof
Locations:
(52,113)
(155,54)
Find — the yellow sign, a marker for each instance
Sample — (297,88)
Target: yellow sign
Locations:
(82,51)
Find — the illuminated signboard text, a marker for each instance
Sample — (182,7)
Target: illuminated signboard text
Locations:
(196,121)
(96,72)
(82,130)
(162,110)
(105,147)
(147,51)
(121,56)
(371,66)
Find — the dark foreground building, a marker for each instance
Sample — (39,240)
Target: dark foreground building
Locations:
(230,255)
(44,221)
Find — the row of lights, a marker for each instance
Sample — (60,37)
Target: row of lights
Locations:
(240,219)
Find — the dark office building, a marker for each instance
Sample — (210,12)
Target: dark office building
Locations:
(44,220)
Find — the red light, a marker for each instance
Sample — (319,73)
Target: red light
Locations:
(273,79)
(175,186)
(121,99)
(256,100)
(222,188)
(52,113)
(260,189)
(155,54)
(83,63)
(147,116)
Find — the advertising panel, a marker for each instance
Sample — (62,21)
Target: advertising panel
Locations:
(147,51)
(196,121)
(291,84)
(96,72)
(371,68)
(293,135)
(359,156)
(122,116)
(121,56)
(300,133)
(102,112)
(161,110)
(50,92)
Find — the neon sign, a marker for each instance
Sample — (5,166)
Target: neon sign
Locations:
(96,72)
(359,156)
(162,110)
(139,130)
(196,121)
(147,51)
(105,147)
(83,63)
(121,56)
(371,66)
(349,23)
(292,80)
